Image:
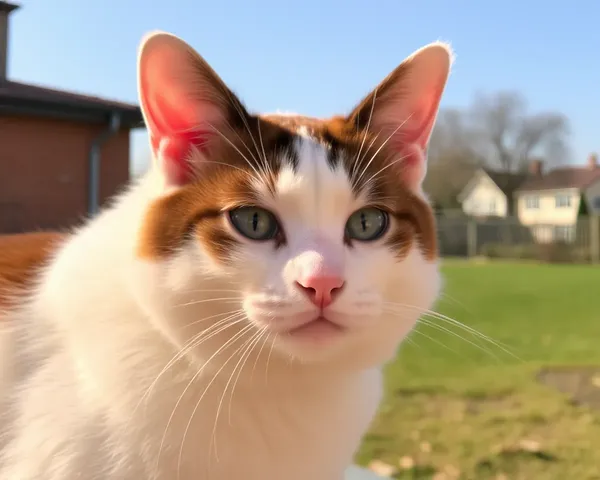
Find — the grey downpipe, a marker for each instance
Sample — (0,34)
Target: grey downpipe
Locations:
(94,163)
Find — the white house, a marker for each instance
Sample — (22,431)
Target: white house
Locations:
(490,193)
(550,203)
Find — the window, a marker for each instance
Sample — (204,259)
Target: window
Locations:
(532,201)
(596,203)
(564,234)
(562,200)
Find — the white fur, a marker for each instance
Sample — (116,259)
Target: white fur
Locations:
(102,325)
(119,368)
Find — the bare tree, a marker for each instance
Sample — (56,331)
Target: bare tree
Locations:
(508,137)
(496,131)
(452,157)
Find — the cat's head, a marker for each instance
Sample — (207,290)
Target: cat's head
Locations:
(312,233)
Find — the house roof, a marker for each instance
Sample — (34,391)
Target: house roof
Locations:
(564,177)
(26,99)
(506,182)
(7,7)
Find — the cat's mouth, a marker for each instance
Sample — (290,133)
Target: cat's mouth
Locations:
(316,325)
(319,328)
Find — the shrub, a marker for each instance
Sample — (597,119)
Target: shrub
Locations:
(502,250)
(557,252)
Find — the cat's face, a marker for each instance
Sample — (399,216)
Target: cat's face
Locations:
(316,230)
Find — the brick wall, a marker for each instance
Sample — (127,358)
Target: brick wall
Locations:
(44,171)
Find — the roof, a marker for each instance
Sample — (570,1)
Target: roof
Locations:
(26,99)
(564,177)
(506,182)
(8,7)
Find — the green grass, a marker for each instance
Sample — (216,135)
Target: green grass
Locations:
(466,407)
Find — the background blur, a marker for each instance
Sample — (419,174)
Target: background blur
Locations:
(504,383)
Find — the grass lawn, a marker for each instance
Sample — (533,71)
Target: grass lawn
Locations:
(458,407)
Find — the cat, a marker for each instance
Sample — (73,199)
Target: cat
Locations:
(228,315)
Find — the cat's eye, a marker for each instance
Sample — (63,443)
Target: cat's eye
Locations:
(367,224)
(254,223)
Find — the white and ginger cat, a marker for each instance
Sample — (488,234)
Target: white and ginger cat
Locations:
(228,316)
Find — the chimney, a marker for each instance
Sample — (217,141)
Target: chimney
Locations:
(5,10)
(535,168)
(592,162)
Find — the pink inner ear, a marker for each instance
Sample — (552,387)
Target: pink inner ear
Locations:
(176,129)
(175,154)
(413,165)
(175,151)
(412,138)
(419,122)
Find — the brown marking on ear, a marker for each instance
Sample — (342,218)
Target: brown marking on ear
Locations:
(361,114)
(21,256)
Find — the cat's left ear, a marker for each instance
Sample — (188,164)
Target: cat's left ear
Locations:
(187,108)
(403,108)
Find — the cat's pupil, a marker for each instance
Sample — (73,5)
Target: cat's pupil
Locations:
(255,221)
(363,221)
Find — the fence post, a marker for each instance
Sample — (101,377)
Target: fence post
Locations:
(594,238)
(471,237)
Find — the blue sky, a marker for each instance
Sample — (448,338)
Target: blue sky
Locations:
(320,57)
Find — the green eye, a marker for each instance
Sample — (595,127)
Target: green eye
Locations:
(254,223)
(367,224)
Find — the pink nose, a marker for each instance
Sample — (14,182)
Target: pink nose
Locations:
(321,290)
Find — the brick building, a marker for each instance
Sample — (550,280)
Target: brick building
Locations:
(61,153)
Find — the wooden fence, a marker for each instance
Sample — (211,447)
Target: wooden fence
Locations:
(508,238)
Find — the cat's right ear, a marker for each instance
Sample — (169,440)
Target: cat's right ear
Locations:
(186,106)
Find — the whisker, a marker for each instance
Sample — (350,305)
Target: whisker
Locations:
(249,351)
(205,300)
(259,176)
(362,159)
(259,352)
(456,323)
(245,122)
(382,146)
(362,144)
(247,345)
(226,164)
(196,322)
(411,341)
(456,302)
(203,290)
(216,375)
(440,328)
(185,349)
(262,146)
(438,342)
(269,357)
(384,168)
(193,379)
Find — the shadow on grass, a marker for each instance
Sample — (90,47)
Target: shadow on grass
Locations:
(580,384)
(511,461)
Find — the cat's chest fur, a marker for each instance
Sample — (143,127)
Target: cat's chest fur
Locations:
(261,432)
(268,423)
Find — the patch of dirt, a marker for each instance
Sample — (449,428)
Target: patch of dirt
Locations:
(580,384)
(509,459)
